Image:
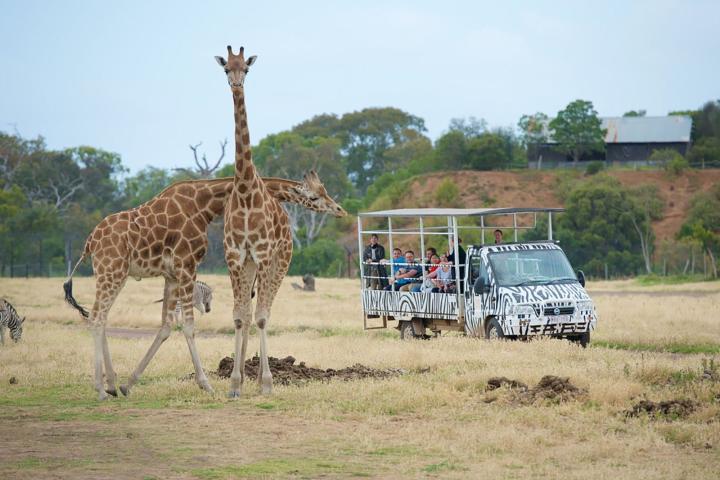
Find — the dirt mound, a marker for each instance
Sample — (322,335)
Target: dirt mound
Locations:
(550,388)
(286,372)
(667,408)
(497,382)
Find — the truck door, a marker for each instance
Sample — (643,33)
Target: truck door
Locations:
(476,305)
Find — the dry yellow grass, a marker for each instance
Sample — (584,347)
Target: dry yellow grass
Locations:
(437,423)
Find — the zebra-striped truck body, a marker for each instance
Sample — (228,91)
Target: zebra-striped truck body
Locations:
(10,319)
(513,290)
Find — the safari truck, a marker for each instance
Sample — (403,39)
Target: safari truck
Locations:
(512,289)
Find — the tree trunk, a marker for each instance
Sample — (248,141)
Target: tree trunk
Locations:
(712,263)
(68,254)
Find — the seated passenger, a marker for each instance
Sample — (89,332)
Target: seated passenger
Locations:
(430,274)
(443,280)
(398,265)
(408,274)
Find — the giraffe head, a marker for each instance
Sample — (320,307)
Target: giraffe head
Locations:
(314,196)
(236,67)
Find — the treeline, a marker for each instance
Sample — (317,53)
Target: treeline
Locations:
(50,200)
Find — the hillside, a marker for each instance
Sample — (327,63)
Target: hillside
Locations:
(538,188)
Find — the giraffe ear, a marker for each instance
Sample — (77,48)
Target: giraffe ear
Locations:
(251,60)
(220,60)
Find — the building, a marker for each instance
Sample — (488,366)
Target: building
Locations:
(628,139)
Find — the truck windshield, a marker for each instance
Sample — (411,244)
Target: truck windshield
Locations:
(531,267)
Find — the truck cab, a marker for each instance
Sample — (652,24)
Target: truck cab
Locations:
(522,290)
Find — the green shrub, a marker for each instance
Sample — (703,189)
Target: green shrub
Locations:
(594,167)
(447,194)
(670,160)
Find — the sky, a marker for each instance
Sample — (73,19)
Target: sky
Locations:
(138,78)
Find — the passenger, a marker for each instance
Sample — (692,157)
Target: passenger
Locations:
(409,274)
(428,284)
(459,259)
(443,281)
(498,236)
(374,271)
(429,252)
(398,267)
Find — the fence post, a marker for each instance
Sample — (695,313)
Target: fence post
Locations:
(606,271)
(27,271)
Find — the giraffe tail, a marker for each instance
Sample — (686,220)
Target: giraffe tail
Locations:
(67,286)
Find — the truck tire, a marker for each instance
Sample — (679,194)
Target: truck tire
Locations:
(494,330)
(406,331)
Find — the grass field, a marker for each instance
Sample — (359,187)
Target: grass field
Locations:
(437,421)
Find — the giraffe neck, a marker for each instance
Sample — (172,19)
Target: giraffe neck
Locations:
(244,168)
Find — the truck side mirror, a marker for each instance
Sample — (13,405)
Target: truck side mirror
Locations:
(479,287)
(581,277)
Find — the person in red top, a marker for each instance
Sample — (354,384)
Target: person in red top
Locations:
(431,272)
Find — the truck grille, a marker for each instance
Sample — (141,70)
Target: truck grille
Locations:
(560,310)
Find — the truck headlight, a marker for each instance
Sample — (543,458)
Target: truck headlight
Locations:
(585,305)
(525,310)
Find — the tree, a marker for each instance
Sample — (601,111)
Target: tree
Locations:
(671,160)
(705,151)
(635,113)
(144,185)
(487,152)
(203,169)
(451,150)
(645,206)
(703,223)
(533,132)
(577,130)
(470,127)
(289,155)
(597,227)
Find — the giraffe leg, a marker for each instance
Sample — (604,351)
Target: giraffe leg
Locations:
(185,291)
(110,375)
(269,280)
(241,275)
(107,288)
(168,315)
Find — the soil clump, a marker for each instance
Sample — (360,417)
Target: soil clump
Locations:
(667,408)
(550,388)
(285,371)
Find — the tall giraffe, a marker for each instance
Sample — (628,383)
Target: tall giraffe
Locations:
(167,236)
(258,241)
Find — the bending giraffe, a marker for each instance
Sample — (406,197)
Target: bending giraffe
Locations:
(258,242)
(167,236)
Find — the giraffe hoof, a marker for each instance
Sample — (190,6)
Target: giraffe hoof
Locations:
(111,391)
(234,394)
(102,396)
(125,390)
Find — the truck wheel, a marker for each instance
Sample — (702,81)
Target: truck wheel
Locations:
(583,339)
(406,331)
(494,330)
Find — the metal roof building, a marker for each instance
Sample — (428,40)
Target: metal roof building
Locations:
(632,138)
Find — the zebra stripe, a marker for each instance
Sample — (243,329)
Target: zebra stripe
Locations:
(10,319)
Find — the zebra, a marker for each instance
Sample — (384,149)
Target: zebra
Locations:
(10,319)
(202,298)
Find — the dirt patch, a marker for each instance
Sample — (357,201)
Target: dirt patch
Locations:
(549,389)
(667,408)
(285,371)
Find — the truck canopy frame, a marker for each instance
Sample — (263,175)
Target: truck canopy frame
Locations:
(451,230)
